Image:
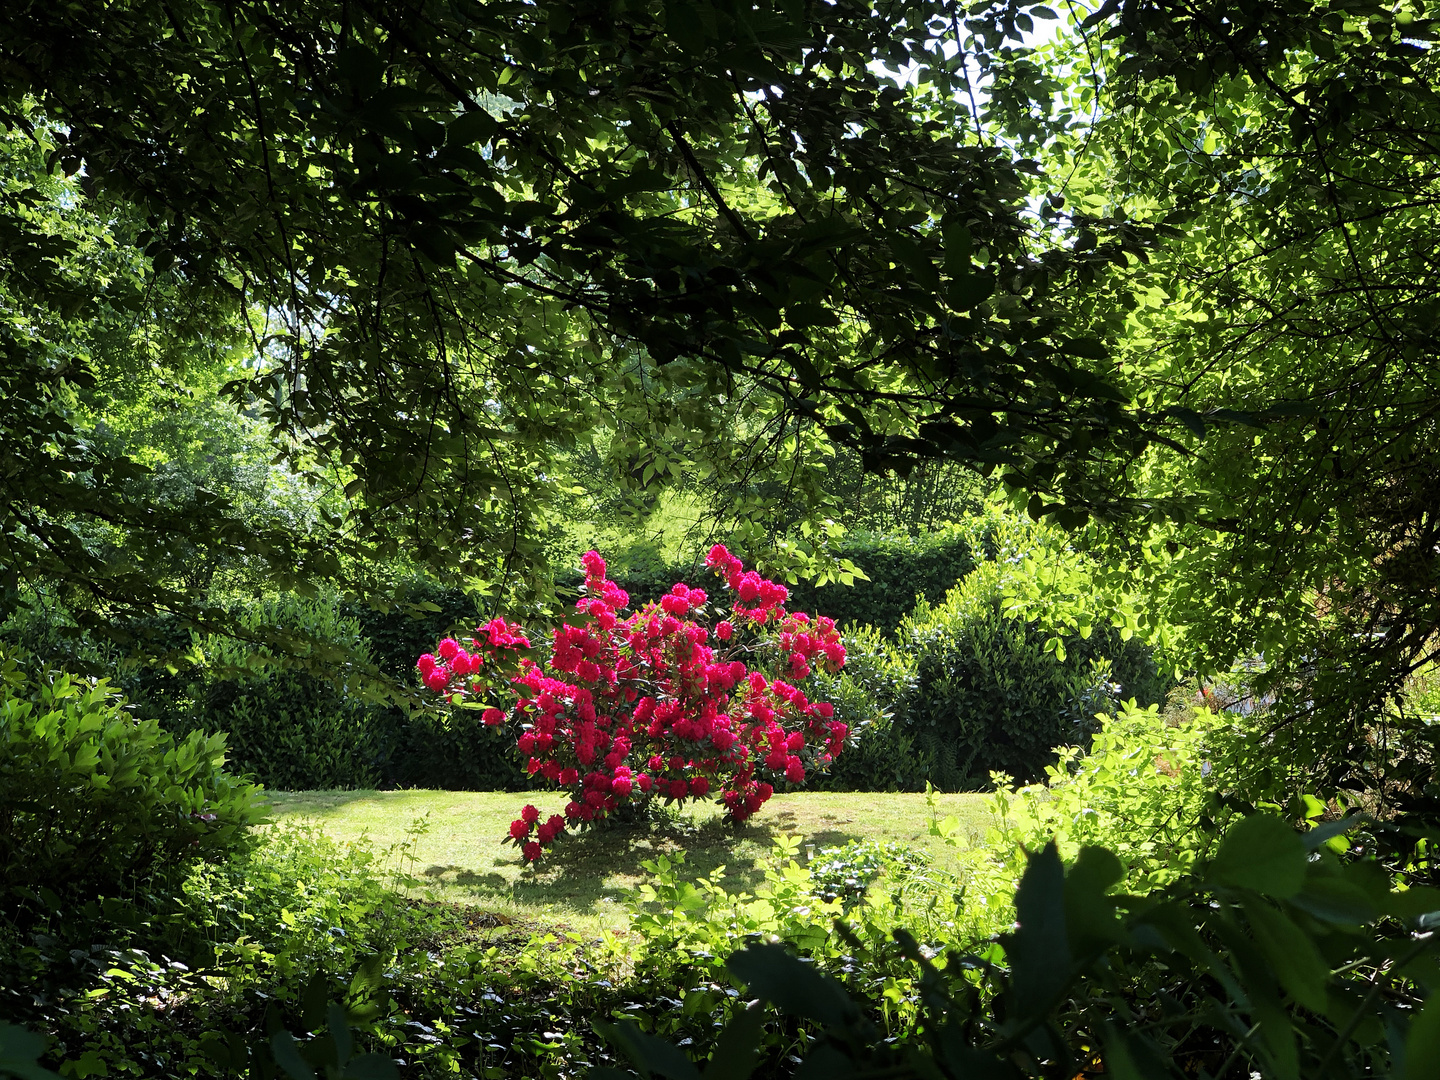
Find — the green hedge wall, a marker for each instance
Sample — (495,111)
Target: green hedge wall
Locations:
(293,731)
(901,570)
(940,685)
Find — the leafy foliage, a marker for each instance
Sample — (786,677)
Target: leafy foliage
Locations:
(1271,962)
(872,696)
(1156,795)
(288,728)
(534,224)
(92,801)
(897,570)
(993,691)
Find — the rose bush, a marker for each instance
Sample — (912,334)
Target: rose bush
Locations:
(659,704)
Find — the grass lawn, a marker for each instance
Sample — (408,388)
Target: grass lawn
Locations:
(582,879)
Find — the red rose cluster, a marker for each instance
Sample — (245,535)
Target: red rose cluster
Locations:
(656,704)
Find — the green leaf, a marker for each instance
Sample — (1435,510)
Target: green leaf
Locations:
(1131,1058)
(20,1052)
(1292,955)
(652,1055)
(1336,900)
(1191,419)
(684,26)
(738,1048)
(477,125)
(910,255)
(371,1067)
(1039,949)
(1319,836)
(1263,853)
(1413,902)
(1089,914)
(958,246)
(287,1056)
(796,987)
(1422,1044)
(314,1001)
(1090,348)
(964,293)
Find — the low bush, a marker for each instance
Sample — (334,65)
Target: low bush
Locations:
(165,984)
(1157,793)
(454,750)
(902,570)
(988,695)
(93,800)
(294,730)
(1268,962)
(290,728)
(872,696)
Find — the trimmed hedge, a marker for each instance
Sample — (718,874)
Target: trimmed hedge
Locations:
(453,752)
(292,730)
(902,570)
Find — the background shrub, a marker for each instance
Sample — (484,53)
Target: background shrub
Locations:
(901,569)
(92,800)
(452,751)
(289,728)
(988,695)
(872,695)
(292,730)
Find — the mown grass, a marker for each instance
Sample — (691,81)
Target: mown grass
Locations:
(453,842)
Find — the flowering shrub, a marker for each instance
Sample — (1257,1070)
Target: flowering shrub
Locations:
(657,704)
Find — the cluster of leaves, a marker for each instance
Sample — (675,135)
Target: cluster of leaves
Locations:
(1156,795)
(93,801)
(1286,327)
(1273,962)
(888,572)
(726,231)
(239,969)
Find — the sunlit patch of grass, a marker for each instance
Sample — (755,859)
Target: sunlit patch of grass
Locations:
(453,843)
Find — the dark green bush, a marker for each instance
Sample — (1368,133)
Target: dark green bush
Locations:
(289,728)
(871,696)
(92,800)
(988,696)
(294,730)
(423,613)
(454,751)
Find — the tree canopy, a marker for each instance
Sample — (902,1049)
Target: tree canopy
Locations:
(1171,273)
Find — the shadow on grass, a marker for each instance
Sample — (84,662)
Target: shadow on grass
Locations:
(599,866)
